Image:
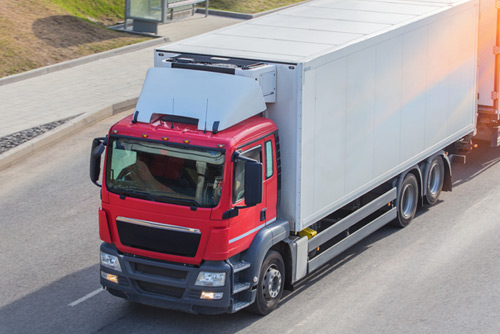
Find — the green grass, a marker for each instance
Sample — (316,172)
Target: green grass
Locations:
(109,11)
(249,6)
(105,11)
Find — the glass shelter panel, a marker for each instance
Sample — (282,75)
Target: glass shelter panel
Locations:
(145,9)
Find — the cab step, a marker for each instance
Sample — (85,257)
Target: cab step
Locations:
(239,305)
(238,287)
(240,266)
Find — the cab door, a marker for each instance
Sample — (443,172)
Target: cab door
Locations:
(249,220)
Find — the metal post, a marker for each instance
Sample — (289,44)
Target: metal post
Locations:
(206,8)
(126,15)
(164,11)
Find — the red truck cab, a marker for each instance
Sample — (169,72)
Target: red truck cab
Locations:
(174,214)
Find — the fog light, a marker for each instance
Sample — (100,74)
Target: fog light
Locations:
(211,295)
(110,261)
(109,277)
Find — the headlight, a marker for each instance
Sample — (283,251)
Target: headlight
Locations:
(110,261)
(210,279)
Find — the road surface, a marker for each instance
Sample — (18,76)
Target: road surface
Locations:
(439,275)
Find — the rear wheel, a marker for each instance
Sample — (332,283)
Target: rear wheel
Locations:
(435,180)
(271,283)
(407,200)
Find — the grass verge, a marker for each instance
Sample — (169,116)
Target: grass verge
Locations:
(250,6)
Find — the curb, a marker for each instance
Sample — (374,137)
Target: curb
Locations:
(80,61)
(49,138)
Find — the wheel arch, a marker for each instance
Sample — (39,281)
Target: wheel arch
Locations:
(268,238)
(286,253)
(415,170)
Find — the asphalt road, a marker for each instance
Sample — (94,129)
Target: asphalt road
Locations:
(439,275)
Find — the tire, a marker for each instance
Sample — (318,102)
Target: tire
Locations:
(270,285)
(435,180)
(407,200)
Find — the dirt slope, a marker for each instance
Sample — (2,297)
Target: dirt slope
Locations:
(36,33)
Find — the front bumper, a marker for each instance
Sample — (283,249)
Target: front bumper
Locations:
(166,285)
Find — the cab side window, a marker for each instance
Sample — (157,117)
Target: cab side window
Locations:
(254,153)
(269,159)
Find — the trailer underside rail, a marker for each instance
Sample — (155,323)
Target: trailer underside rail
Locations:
(348,222)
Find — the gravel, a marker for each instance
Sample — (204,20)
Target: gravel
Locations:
(18,138)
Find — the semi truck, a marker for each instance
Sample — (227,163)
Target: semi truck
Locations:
(259,152)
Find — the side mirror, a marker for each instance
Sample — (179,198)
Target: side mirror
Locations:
(98,145)
(253,183)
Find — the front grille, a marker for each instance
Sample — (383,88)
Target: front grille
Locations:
(161,289)
(159,271)
(159,240)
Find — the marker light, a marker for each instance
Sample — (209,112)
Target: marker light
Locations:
(211,295)
(220,146)
(186,141)
(115,131)
(164,138)
(144,135)
(109,277)
(110,261)
(210,279)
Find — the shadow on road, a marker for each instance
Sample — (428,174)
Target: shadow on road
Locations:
(477,162)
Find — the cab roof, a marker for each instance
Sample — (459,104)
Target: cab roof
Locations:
(237,135)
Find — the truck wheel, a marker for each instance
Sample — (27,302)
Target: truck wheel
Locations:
(435,179)
(271,283)
(407,200)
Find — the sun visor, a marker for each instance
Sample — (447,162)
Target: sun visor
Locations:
(217,100)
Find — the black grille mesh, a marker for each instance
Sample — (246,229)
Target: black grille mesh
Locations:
(158,240)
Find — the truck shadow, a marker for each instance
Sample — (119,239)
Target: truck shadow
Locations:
(478,161)
(48,310)
(339,261)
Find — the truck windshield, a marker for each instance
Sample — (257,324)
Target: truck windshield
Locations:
(164,173)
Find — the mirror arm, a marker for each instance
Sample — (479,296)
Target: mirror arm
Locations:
(237,156)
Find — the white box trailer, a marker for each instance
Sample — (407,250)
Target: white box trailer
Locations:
(364,90)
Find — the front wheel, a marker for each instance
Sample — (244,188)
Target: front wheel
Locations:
(270,285)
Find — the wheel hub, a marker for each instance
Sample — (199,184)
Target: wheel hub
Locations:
(272,282)
(434,179)
(408,201)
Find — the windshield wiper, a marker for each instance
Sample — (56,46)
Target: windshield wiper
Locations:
(123,193)
(175,200)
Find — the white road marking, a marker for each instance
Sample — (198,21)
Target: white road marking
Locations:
(84,298)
